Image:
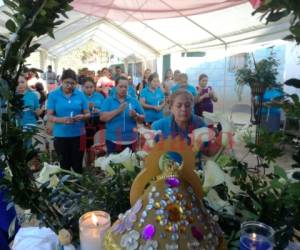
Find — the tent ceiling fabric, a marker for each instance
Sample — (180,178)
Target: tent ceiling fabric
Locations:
(194,25)
(150,9)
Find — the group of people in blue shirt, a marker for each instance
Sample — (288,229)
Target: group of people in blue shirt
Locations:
(77,115)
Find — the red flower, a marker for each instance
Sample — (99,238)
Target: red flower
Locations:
(256,3)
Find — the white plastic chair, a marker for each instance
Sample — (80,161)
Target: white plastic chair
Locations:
(240,114)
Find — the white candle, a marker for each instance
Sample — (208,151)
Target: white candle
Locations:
(93,226)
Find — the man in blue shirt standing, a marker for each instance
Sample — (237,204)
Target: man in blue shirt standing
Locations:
(121,114)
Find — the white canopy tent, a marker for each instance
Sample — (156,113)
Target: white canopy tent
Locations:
(144,30)
(229,28)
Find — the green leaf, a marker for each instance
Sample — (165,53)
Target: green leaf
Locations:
(11,26)
(8,13)
(293,82)
(295,30)
(10,4)
(289,38)
(34,47)
(280,172)
(68,8)
(57,23)
(273,17)
(248,215)
(51,34)
(294,189)
(51,4)
(276,184)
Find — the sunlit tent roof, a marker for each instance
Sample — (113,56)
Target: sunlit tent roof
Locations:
(149,28)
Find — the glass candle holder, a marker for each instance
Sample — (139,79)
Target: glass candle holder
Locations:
(256,236)
(92,227)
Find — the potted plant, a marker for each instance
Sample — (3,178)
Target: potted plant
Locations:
(257,75)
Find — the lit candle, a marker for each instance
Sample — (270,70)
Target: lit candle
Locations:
(256,236)
(93,226)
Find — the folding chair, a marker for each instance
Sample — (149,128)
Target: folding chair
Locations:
(240,114)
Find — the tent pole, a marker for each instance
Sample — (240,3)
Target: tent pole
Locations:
(225,78)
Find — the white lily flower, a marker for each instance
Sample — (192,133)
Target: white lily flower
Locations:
(149,135)
(101,162)
(218,204)
(126,158)
(227,125)
(213,175)
(46,172)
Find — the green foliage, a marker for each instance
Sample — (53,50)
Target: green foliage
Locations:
(76,194)
(262,73)
(27,19)
(272,199)
(274,10)
(291,105)
(268,147)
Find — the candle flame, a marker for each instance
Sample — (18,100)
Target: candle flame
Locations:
(254,236)
(95,219)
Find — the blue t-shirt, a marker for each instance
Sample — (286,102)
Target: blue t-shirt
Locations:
(270,95)
(188,88)
(31,104)
(169,127)
(97,99)
(131,91)
(153,98)
(121,127)
(64,106)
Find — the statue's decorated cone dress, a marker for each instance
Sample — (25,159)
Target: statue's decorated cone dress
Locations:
(167,210)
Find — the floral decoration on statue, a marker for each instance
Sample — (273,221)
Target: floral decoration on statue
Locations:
(149,245)
(126,220)
(172,246)
(130,240)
